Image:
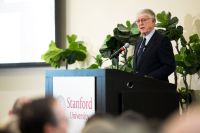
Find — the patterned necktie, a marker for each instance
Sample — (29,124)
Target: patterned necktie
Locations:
(141,50)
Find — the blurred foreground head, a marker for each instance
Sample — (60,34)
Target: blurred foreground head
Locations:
(132,122)
(189,122)
(128,122)
(4,131)
(18,104)
(100,124)
(44,115)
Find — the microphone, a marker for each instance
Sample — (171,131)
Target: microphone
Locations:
(126,45)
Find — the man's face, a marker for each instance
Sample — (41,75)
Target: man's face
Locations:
(145,23)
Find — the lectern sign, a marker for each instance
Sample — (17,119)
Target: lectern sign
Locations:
(77,96)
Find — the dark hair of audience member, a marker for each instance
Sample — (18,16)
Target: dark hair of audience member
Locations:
(4,131)
(36,114)
(18,104)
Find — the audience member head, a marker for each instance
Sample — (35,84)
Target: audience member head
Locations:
(132,116)
(17,106)
(100,123)
(11,121)
(44,115)
(128,122)
(188,122)
(132,122)
(100,126)
(99,116)
(13,125)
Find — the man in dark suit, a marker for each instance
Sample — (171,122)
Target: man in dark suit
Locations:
(153,54)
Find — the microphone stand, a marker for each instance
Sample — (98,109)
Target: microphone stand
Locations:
(117,62)
(125,55)
(116,59)
(125,58)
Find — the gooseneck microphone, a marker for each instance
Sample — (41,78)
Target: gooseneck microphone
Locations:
(126,45)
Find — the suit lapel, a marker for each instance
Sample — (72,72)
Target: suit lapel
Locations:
(150,44)
(136,50)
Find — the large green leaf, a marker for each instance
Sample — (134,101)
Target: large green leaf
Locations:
(194,38)
(162,31)
(93,66)
(196,49)
(134,29)
(99,60)
(163,19)
(111,45)
(105,52)
(75,52)
(183,41)
(54,55)
(71,38)
(75,55)
(122,28)
(108,37)
(121,36)
(174,33)
(173,22)
(128,24)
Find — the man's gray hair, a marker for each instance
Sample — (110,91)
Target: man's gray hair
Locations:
(148,12)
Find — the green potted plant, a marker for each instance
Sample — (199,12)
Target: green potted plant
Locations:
(121,34)
(188,63)
(188,53)
(55,56)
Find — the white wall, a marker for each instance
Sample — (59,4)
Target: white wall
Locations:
(18,82)
(92,20)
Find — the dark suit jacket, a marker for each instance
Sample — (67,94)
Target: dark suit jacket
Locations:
(157,60)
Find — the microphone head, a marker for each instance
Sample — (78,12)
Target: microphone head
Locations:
(126,45)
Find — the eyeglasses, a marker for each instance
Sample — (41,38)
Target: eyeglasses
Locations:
(143,20)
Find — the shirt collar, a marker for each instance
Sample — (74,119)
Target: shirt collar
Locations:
(148,37)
